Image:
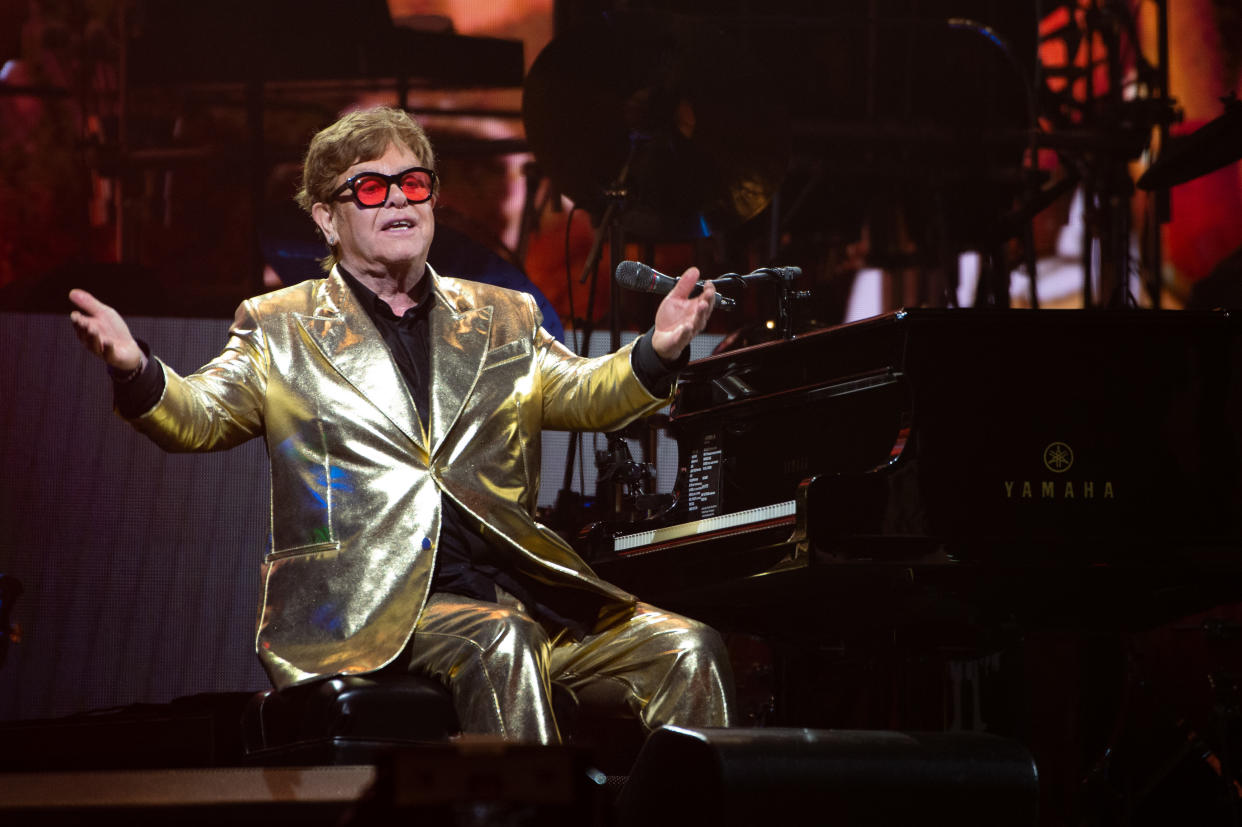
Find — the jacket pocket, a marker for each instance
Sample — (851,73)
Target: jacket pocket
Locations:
(331,545)
(509,352)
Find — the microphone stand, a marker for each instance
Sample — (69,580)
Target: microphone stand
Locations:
(610,227)
(785,303)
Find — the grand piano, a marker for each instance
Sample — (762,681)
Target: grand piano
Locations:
(965,470)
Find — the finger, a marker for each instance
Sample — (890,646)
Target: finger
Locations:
(84,324)
(89,340)
(685,284)
(702,307)
(708,295)
(86,301)
(81,320)
(88,332)
(81,324)
(79,330)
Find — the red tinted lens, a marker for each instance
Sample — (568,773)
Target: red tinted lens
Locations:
(416,186)
(371,190)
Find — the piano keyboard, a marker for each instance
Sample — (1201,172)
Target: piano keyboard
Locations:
(739,522)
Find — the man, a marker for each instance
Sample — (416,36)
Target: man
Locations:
(402,412)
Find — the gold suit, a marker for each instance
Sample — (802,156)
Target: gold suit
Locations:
(356,482)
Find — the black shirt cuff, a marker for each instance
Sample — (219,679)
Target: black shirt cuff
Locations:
(654,373)
(140,394)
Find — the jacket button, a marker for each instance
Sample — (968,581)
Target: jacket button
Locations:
(426,544)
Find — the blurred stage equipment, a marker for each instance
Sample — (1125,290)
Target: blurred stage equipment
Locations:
(918,128)
(1207,149)
(907,126)
(1104,101)
(668,106)
(241,42)
(1172,756)
(255,57)
(658,125)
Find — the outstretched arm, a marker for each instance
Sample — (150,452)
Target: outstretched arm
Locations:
(607,392)
(216,407)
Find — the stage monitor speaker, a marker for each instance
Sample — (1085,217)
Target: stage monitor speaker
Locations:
(837,777)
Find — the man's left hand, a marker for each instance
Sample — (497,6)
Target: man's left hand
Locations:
(681,317)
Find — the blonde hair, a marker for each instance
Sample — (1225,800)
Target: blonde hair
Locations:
(358,136)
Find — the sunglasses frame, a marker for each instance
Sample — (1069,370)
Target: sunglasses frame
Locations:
(395,178)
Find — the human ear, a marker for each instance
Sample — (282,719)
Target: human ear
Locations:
(325,219)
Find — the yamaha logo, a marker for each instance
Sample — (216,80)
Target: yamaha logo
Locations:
(1058,457)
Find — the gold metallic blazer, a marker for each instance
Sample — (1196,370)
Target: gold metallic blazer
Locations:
(356,483)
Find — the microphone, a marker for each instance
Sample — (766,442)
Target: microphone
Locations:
(634,275)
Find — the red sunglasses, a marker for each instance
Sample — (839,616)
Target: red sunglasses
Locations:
(370,189)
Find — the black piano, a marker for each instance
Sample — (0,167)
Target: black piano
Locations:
(993,467)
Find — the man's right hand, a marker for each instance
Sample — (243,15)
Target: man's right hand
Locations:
(104,332)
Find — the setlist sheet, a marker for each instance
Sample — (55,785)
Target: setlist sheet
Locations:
(703,478)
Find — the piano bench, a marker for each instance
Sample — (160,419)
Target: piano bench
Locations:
(355,719)
(348,719)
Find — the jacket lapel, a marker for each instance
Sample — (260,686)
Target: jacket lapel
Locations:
(351,343)
(459,339)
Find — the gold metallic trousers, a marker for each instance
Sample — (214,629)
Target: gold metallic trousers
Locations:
(499,664)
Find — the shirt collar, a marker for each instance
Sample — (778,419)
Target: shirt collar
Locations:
(377,307)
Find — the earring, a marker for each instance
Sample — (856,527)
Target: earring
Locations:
(331,241)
